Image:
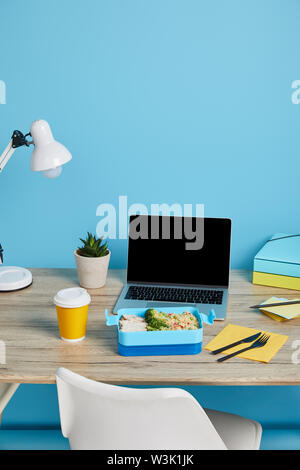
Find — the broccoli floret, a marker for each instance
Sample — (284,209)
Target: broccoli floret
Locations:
(149,328)
(154,322)
(150,313)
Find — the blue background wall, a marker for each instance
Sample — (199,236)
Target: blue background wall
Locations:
(162,101)
(183,101)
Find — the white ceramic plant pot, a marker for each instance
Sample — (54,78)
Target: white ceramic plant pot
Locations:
(92,272)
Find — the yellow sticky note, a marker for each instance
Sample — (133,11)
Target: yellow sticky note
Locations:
(281,313)
(273,316)
(232,333)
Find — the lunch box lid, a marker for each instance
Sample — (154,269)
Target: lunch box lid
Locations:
(73,297)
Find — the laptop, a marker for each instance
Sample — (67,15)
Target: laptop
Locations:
(165,269)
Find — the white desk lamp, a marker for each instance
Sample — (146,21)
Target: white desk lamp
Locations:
(48,156)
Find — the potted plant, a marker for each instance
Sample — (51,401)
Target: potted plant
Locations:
(92,261)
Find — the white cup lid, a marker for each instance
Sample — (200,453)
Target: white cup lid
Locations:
(73,297)
(14,278)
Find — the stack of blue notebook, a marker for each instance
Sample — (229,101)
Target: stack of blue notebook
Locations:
(278,262)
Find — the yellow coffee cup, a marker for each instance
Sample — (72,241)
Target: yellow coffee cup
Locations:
(72,311)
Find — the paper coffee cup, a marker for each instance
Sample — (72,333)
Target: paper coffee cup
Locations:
(72,311)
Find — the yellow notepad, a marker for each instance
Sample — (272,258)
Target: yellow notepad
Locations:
(232,333)
(281,313)
(276,280)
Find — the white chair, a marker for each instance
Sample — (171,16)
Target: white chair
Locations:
(95,415)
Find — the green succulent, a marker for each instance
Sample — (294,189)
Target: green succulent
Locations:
(92,247)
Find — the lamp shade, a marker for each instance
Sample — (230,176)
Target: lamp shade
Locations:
(48,155)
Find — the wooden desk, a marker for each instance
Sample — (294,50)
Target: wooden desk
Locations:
(28,325)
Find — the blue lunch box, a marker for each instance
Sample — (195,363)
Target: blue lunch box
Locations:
(159,343)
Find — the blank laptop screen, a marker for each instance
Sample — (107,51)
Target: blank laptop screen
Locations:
(161,257)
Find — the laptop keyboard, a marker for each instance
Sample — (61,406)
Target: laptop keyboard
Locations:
(173,294)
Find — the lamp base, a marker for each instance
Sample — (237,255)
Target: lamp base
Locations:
(13,278)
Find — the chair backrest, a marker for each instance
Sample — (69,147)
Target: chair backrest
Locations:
(95,415)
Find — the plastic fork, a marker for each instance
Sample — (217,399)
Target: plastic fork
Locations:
(259,343)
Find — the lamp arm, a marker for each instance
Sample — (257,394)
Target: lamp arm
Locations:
(17,140)
(5,156)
